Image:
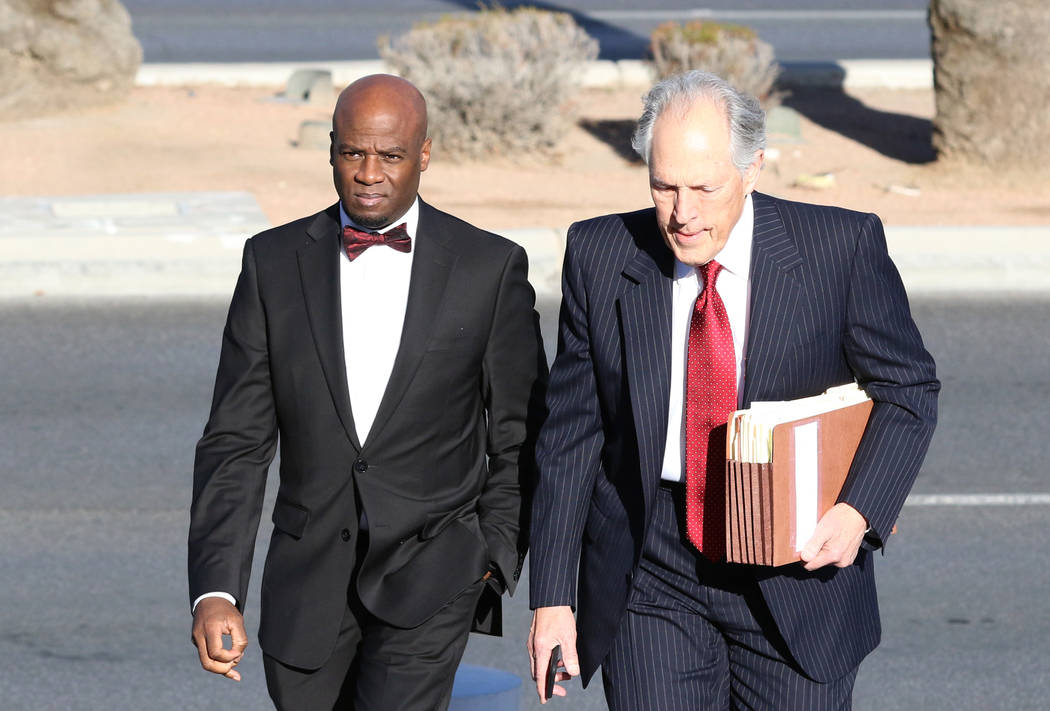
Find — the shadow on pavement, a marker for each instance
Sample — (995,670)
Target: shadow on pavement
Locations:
(898,136)
(616,133)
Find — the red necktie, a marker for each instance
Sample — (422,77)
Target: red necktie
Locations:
(355,241)
(710,397)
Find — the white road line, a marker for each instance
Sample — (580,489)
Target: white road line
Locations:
(752,15)
(978,500)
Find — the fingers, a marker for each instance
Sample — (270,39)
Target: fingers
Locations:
(553,627)
(210,623)
(836,538)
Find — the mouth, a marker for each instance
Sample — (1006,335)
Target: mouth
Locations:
(369,199)
(685,237)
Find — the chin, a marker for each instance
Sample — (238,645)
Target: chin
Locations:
(694,254)
(371,221)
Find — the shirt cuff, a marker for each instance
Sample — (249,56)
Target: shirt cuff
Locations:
(224,596)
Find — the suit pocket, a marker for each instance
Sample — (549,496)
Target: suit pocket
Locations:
(290,518)
(437,522)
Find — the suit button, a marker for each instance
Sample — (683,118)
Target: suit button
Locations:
(360,466)
(345,534)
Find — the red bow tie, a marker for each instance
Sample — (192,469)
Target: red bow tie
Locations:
(355,241)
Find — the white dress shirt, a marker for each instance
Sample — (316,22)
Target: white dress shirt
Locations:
(373,294)
(373,290)
(734,286)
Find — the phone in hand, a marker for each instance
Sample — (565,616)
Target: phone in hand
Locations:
(552,670)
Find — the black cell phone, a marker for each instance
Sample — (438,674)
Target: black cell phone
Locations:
(552,669)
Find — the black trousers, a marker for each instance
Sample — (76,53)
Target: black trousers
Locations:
(698,635)
(377,667)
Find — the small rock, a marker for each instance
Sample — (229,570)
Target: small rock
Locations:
(906,190)
(815,181)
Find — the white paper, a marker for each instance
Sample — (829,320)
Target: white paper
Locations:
(806,495)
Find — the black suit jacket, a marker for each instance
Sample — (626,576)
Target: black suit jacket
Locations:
(827,307)
(439,477)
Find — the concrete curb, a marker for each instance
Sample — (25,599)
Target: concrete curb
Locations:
(189,244)
(849,74)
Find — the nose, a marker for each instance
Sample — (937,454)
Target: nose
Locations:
(686,206)
(369,172)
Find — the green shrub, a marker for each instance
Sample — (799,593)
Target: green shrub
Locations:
(733,52)
(496,81)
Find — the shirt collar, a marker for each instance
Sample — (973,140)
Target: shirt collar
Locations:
(735,256)
(410,220)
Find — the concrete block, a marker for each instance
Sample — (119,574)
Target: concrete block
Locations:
(309,86)
(313,135)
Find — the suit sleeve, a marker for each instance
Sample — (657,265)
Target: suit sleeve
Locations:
(514,374)
(568,451)
(229,474)
(886,353)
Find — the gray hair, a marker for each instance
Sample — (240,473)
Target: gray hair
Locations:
(747,120)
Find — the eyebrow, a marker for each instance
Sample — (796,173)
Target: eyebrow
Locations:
(383,151)
(657,183)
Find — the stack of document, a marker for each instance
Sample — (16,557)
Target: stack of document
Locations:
(786,463)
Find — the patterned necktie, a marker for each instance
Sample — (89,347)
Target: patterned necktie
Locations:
(355,241)
(710,399)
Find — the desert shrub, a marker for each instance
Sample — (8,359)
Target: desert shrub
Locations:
(733,52)
(496,81)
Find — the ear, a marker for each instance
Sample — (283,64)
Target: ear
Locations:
(753,171)
(424,155)
(331,148)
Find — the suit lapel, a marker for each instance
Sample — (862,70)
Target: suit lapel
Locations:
(432,265)
(775,287)
(646,317)
(319,274)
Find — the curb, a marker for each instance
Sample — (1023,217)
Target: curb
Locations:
(189,244)
(846,73)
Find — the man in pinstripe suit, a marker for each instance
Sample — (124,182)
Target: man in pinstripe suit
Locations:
(813,301)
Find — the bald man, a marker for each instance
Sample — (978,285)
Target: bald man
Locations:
(393,351)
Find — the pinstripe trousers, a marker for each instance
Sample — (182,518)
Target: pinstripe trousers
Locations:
(697,635)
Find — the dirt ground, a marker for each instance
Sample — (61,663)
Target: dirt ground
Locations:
(874,143)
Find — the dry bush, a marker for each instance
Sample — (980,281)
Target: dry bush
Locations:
(496,81)
(733,52)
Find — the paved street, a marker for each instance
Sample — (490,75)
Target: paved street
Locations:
(103,401)
(276,30)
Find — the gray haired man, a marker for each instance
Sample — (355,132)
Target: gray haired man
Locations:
(671,318)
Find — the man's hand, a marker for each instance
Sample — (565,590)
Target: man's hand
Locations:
(836,539)
(213,618)
(552,626)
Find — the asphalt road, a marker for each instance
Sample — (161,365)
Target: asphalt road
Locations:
(102,403)
(278,30)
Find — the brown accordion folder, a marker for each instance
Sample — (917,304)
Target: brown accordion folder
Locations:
(775,495)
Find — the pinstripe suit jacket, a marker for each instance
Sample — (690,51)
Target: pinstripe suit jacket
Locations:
(827,307)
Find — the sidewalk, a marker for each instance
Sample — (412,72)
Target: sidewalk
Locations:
(189,244)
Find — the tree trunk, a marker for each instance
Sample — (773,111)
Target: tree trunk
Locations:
(991,62)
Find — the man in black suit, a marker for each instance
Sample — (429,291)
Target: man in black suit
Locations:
(394,350)
(672,318)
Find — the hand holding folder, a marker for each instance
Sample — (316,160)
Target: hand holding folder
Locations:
(786,464)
